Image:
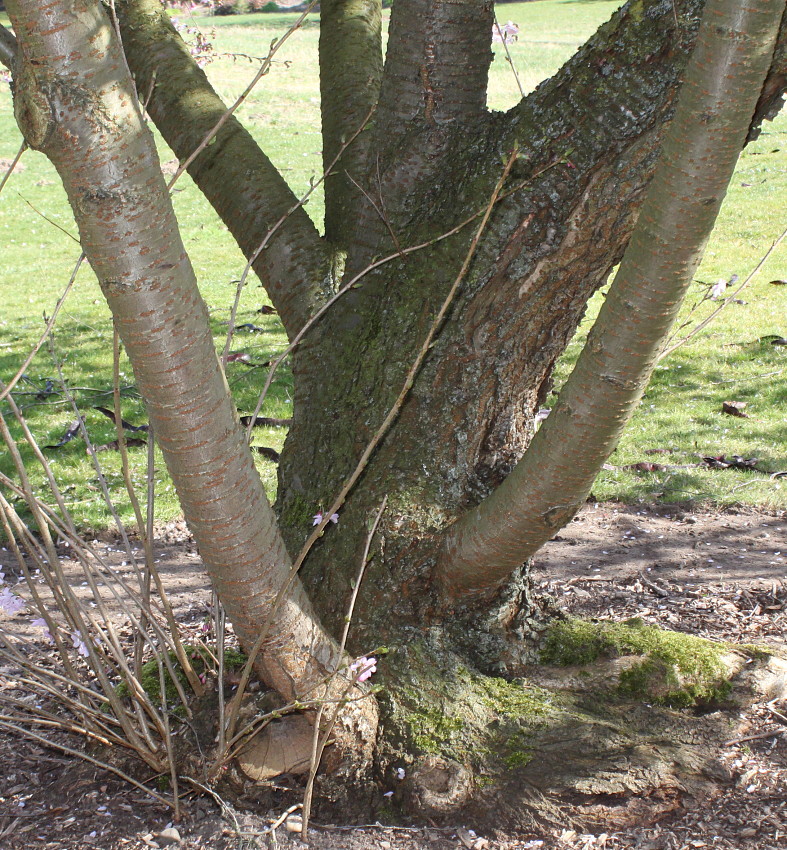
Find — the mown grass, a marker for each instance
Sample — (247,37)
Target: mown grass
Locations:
(681,410)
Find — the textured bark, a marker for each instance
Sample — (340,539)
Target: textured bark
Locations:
(717,100)
(436,66)
(7,47)
(75,102)
(469,417)
(241,183)
(433,97)
(351,65)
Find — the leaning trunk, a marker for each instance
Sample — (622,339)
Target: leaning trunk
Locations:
(129,233)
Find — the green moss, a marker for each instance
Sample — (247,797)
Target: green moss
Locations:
(298,513)
(755,650)
(677,669)
(522,710)
(431,729)
(515,699)
(150,674)
(518,758)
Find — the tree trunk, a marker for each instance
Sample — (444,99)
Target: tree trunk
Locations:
(588,142)
(469,417)
(129,233)
(569,207)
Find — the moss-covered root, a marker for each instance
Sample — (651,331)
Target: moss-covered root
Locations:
(660,666)
(449,731)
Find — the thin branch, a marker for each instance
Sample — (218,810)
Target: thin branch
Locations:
(230,111)
(379,209)
(43,215)
(508,57)
(27,733)
(9,171)
(47,330)
(320,739)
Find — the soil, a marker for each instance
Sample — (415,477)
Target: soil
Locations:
(717,574)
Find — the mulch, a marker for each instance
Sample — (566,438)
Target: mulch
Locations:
(700,584)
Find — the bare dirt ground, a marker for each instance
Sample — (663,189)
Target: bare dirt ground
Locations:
(721,575)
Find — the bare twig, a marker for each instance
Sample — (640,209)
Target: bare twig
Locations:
(47,330)
(705,322)
(508,57)
(9,171)
(46,218)
(264,68)
(772,734)
(47,742)
(320,739)
(272,232)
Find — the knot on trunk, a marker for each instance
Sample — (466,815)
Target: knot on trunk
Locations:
(441,785)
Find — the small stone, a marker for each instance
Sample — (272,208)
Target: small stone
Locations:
(170,835)
(293,823)
(748,832)
(467,837)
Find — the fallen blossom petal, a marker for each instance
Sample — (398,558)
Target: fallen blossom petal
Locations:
(317,519)
(41,623)
(400,774)
(79,644)
(334,518)
(10,602)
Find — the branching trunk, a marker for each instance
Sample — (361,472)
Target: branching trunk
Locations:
(574,197)
(246,190)
(588,143)
(699,154)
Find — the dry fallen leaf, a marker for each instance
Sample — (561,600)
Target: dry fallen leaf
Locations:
(734,408)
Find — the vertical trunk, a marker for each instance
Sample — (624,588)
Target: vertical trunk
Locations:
(351,64)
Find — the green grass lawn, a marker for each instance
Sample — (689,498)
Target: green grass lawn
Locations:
(730,360)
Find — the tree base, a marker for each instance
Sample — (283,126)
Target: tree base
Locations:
(563,743)
(631,733)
